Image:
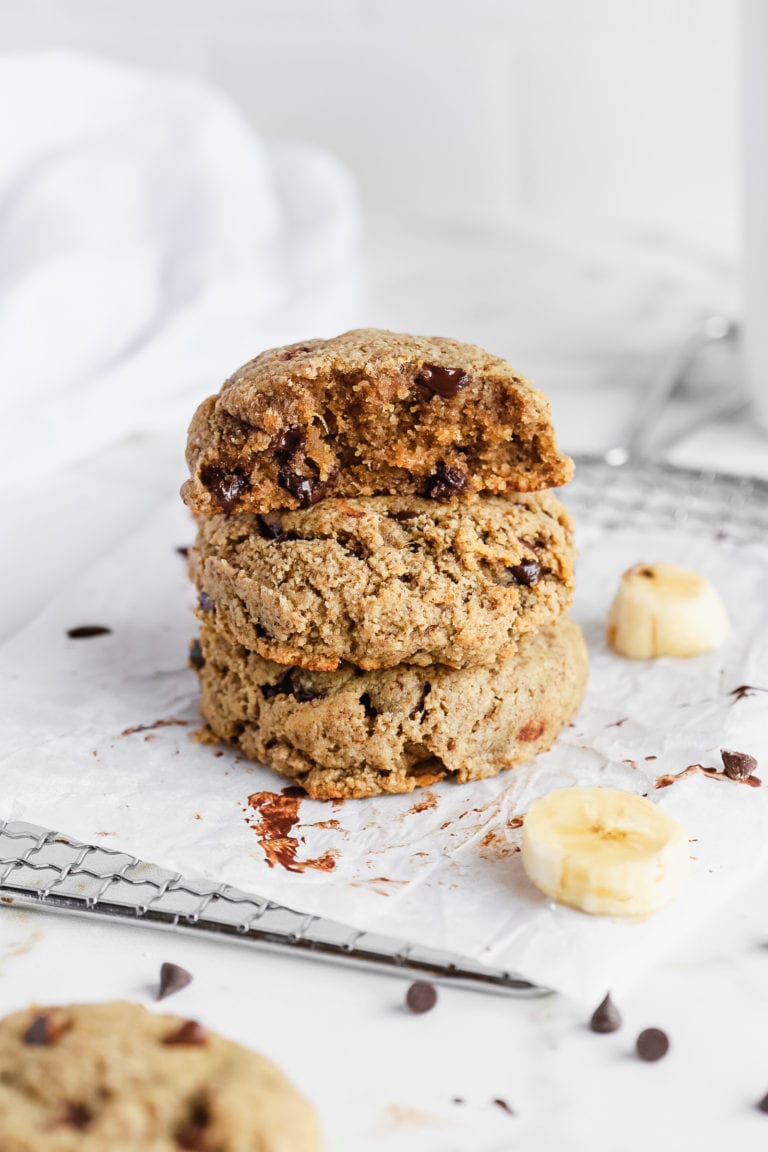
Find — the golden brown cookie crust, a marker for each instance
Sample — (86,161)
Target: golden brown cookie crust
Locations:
(353,734)
(386,580)
(369,412)
(117,1078)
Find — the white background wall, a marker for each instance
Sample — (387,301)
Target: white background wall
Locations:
(610,111)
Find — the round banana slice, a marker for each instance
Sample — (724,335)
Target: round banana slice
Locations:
(665,610)
(605,851)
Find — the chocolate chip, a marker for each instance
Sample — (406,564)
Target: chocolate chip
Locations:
(446,382)
(76,1116)
(303,694)
(86,631)
(272,525)
(307,489)
(421,708)
(44,1030)
(172,979)
(183,550)
(288,685)
(501,1103)
(421,997)
(191,1134)
(287,443)
(606,1017)
(763,1104)
(652,1044)
(738,765)
(190,1032)
(294,790)
(196,658)
(226,485)
(447,482)
(527,572)
(205,602)
(403,515)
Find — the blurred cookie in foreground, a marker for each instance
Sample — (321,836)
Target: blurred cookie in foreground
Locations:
(366,413)
(665,610)
(351,733)
(117,1078)
(384,580)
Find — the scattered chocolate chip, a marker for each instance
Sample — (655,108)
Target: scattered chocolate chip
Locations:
(370,711)
(172,979)
(307,489)
(226,485)
(44,1030)
(447,482)
(294,790)
(183,550)
(763,1104)
(196,658)
(421,997)
(527,572)
(205,602)
(652,1044)
(738,765)
(446,382)
(501,1103)
(86,631)
(404,514)
(606,1017)
(272,525)
(287,443)
(76,1116)
(190,1032)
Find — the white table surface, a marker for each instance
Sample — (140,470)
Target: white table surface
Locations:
(382,1079)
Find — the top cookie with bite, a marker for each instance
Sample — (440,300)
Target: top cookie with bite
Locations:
(369,413)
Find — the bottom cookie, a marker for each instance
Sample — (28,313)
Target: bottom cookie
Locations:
(116,1078)
(351,733)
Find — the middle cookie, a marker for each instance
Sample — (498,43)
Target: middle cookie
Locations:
(386,580)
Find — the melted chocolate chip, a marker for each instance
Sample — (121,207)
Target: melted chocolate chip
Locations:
(286,444)
(307,489)
(446,382)
(86,631)
(421,997)
(738,765)
(190,1032)
(43,1030)
(226,485)
(606,1017)
(205,602)
(447,482)
(287,685)
(652,1044)
(196,658)
(172,979)
(527,572)
(76,1116)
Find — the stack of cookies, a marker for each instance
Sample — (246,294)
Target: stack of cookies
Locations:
(382,573)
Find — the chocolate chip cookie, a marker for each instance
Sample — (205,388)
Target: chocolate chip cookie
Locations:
(116,1078)
(369,412)
(351,733)
(382,580)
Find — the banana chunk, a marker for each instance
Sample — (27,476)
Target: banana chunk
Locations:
(665,610)
(604,851)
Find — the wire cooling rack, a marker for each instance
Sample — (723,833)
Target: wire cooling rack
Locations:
(49,870)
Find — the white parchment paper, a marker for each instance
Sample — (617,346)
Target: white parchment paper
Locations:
(81,751)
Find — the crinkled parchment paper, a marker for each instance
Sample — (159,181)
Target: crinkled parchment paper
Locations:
(85,749)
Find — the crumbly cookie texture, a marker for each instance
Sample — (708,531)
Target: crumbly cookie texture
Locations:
(386,580)
(351,733)
(117,1078)
(369,412)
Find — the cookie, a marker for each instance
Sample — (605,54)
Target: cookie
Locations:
(385,580)
(353,733)
(367,413)
(116,1078)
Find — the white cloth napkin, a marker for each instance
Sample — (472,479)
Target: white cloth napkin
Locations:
(149,243)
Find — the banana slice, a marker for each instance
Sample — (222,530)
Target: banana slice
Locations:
(665,610)
(605,851)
